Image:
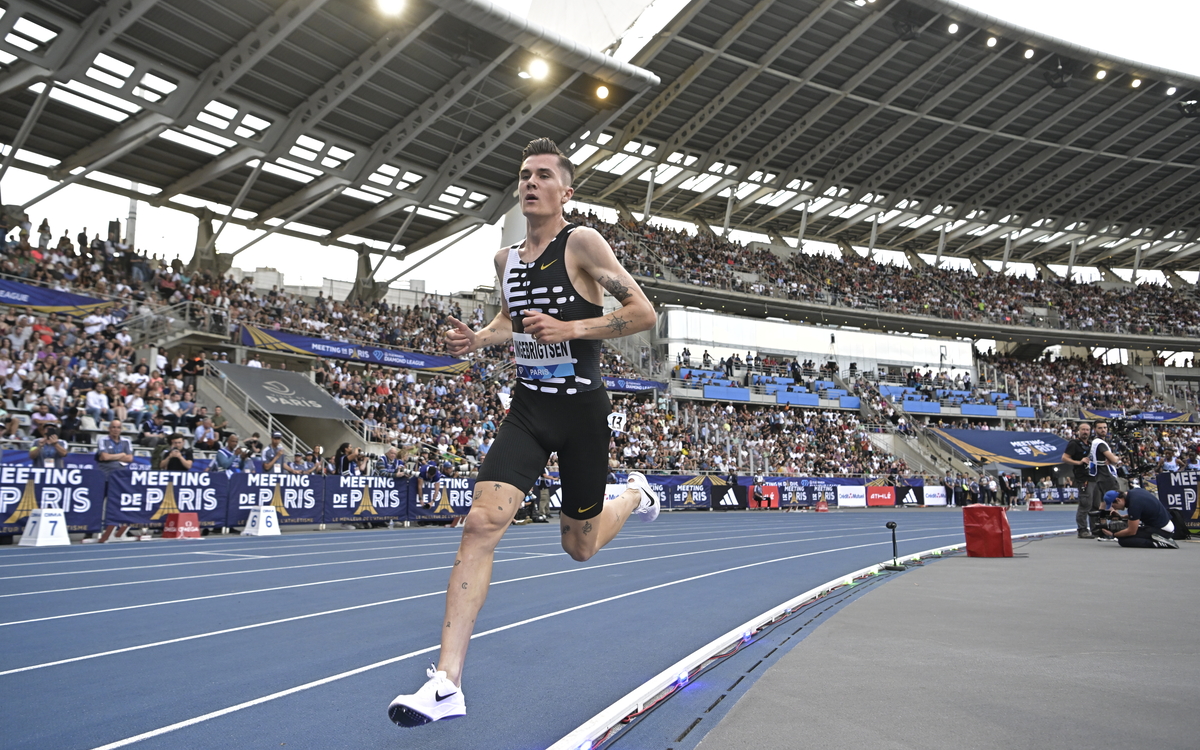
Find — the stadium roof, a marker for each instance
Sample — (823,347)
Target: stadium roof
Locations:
(399,129)
(904,118)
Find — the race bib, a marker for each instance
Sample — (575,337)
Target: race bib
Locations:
(542,361)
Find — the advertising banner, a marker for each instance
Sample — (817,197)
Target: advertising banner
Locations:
(849,496)
(935,494)
(790,493)
(48,300)
(279,341)
(297,498)
(450,497)
(355,499)
(881,496)
(632,385)
(1006,447)
(78,492)
(1145,416)
(145,498)
(283,392)
(1178,491)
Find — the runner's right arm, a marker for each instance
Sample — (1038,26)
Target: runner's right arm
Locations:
(460,339)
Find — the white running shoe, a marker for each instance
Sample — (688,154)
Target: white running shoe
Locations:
(649,507)
(437,699)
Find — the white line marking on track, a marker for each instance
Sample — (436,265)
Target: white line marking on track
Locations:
(511,549)
(366,668)
(234,554)
(341,610)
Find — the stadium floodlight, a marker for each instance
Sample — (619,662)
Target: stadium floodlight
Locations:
(602,92)
(1100,74)
(1136,83)
(1171,91)
(991,42)
(1028,54)
(953,28)
(538,68)
(390,7)
(1189,108)
(1058,77)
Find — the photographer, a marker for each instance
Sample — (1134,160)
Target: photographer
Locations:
(349,460)
(176,457)
(230,457)
(1148,523)
(1076,455)
(388,465)
(1102,466)
(48,451)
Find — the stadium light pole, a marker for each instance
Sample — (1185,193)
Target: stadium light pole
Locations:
(803,226)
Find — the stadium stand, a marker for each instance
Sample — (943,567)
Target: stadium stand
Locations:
(859,282)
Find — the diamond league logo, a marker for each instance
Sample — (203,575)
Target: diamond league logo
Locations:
(377,354)
(279,389)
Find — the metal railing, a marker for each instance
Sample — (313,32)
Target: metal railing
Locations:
(178,318)
(255,411)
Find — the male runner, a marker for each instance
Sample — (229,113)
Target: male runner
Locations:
(553,283)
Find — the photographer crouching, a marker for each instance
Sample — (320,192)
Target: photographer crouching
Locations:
(1146,523)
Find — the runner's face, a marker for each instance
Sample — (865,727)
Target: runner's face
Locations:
(543,190)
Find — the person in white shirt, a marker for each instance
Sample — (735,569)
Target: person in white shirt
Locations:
(256,362)
(97,406)
(56,394)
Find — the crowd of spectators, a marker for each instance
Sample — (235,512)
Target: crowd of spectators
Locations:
(1064,386)
(711,261)
(67,372)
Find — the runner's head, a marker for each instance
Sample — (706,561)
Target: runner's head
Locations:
(545,178)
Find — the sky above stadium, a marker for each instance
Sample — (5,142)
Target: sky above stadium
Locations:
(1154,32)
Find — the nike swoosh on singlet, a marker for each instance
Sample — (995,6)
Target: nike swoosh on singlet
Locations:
(585,510)
(549,264)
(441,697)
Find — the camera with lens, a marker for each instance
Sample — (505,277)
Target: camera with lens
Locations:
(1103,521)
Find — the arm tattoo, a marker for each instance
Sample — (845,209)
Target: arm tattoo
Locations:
(616,324)
(615,287)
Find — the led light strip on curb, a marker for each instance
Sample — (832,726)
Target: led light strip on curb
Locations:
(599,725)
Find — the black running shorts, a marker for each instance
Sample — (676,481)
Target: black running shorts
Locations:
(538,424)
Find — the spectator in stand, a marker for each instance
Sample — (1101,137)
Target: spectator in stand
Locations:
(113,450)
(176,457)
(154,432)
(205,437)
(42,418)
(220,422)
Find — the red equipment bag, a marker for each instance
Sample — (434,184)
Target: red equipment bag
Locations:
(988,534)
(181,526)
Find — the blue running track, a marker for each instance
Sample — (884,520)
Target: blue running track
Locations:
(301,641)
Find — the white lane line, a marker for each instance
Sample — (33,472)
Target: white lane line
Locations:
(513,535)
(509,548)
(235,554)
(253,626)
(527,556)
(366,668)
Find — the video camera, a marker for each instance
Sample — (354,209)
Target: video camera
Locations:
(1108,522)
(1126,436)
